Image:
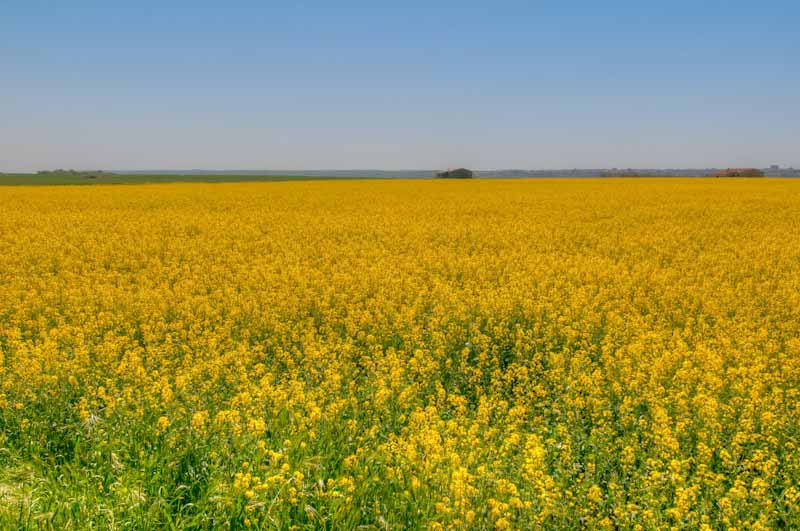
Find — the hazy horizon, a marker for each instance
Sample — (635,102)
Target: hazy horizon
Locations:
(317,87)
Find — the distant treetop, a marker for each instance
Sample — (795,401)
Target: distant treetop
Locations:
(458,173)
(740,172)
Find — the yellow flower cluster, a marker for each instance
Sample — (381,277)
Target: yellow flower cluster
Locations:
(566,354)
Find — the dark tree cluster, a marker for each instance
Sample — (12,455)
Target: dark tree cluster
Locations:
(458,173)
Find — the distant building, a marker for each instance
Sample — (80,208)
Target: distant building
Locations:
(775,167)
(458,173)
(740,172)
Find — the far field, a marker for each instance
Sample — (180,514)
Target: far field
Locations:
(342,175)
(30,179)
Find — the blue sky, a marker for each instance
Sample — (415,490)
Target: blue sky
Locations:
(313,85)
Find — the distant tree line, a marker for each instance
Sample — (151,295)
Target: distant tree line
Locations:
(60,171)
(85,174)
(740,172)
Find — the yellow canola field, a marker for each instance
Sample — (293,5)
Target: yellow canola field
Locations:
(543,354)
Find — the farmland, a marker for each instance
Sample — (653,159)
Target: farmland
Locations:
(549,354)
(93,178)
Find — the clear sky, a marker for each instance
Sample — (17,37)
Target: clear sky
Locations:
(406,85)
